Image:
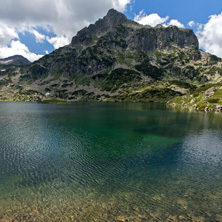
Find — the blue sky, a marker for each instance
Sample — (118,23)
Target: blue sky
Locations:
(38,27)
(182,10)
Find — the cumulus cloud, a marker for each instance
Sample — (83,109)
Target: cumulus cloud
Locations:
(58,41)
(191,23)
(121,4)
(38,36)
(17,48)
(175,22)
(10,44)
(154,19)
(66,17)
(210,35)
(63,17)
(6,34)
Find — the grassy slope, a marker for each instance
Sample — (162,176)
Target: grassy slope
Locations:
(206,97)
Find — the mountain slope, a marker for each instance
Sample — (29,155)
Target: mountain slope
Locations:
(205,98)
(115,59)
(14,60)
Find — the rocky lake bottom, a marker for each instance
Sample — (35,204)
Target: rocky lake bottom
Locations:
(109,162)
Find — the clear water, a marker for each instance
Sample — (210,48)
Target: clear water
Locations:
(109,162)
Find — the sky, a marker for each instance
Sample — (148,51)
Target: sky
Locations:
(36,28)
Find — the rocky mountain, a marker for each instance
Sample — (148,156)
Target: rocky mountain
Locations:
(115,59)
(14,60)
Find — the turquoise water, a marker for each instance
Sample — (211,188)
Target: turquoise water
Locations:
(109,162)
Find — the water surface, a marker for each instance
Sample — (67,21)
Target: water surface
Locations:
(109,162)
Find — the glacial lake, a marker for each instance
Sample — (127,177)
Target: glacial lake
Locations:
(109,162)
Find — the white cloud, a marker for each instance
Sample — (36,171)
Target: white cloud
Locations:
(38,36)
(191,23)
(17,48)
(175,22)
(210,35)
(6,34)
(66,17)
(199,26)
(63,17)
(154,19)
(121,4)
(58,41)
(10,44)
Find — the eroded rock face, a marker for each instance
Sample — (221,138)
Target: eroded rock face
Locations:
(143,38)
(152,39)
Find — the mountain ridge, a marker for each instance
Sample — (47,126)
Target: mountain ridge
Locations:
(14,60)
(116,59)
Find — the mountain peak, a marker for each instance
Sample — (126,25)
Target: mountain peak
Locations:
(14,60)
(112,19)
(112,13)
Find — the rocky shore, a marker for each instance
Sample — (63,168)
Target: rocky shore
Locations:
(205,98)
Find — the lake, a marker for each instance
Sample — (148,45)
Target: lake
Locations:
(109,162)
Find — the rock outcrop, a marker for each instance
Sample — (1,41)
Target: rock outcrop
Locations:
(204,98)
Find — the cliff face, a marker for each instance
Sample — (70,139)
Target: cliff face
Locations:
(152,39)
(116,59)
(143,38)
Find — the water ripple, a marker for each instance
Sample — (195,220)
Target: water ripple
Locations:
(109,162)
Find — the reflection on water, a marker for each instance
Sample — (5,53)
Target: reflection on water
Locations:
(109,162)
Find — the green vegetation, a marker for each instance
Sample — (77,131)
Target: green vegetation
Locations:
(53,101)
(206,97)
(204,87)
(21,96)
(215,59)
(114,80)
(182,84)
(147,95)
(37,70)
(81,80)
(67,85)
(5,82)
(62,94)
(149,70)
(82,95)
(213,100)
(29,92)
